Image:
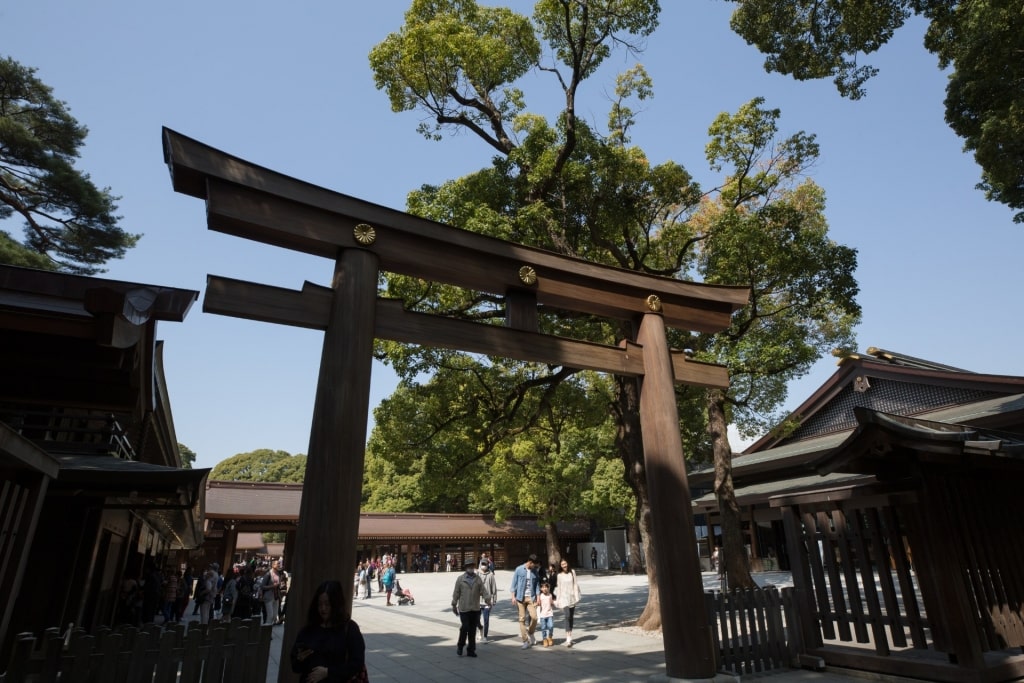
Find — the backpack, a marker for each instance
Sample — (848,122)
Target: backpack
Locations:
(243,606)
(201,593)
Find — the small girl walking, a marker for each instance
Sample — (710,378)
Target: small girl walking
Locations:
(546,614)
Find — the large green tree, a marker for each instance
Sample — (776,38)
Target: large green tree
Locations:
(981,41)
(477,438)
(263,465)
(768,232)
(566,186)
(68,223)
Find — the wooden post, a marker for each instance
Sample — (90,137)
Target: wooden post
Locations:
(230,543)
(289,549)
(755,552)
(687,637)
(329,514)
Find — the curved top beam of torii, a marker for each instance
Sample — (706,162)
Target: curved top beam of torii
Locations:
(250,201)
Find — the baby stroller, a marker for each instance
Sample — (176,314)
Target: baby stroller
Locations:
(404,595)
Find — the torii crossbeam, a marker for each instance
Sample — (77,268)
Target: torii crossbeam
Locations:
(364,239)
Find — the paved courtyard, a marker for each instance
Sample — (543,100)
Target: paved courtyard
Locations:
(416,643)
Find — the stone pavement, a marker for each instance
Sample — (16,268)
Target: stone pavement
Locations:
(416,643)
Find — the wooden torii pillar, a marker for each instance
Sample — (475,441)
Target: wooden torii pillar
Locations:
(365,240)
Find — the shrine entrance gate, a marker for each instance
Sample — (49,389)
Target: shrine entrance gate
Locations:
(364,240)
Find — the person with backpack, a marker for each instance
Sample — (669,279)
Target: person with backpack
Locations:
(388,580)
(491,586)
(218,595)
(282,602)
(230,596)
(364,581)
(244,605)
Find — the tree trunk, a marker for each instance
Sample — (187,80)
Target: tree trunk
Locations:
(629,444)
(733,555)
(551,540)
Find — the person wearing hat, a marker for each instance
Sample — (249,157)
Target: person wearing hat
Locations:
(469,591)
(491,586)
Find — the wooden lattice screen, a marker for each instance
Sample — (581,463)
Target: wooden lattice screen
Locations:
(936,568)
(971,524)
(858,575)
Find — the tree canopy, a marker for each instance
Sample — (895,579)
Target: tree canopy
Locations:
(981,41)
(264,465)
(68,223)
(477,438)
(188,456)
(581,189)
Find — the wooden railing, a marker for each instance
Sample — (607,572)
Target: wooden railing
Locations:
(756,630)
(58,430)
(235,652)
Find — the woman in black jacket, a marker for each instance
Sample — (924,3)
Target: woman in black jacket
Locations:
(330,647)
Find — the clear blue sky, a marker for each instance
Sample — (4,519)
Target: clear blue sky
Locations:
(288,86)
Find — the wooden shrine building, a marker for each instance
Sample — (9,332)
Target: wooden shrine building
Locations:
(893,503)
(91,483)
(235,508)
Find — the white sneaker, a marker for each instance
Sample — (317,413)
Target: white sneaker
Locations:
(526,645)
(533,641)
(483,639)
(568,641)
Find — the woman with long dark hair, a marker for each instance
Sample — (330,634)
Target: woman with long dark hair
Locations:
(568,597)
(330,647)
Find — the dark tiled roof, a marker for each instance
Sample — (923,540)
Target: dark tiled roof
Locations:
(240,500)
(761,493)
(889,382)
(794,459)
(889,446)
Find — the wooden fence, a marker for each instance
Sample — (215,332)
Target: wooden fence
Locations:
(756,630)
(235,652)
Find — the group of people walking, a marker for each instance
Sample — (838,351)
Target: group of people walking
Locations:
(535,600)
(330,645)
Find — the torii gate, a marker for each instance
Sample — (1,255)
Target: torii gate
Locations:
(365,239)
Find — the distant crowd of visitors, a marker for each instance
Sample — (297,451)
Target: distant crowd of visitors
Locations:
(245,590)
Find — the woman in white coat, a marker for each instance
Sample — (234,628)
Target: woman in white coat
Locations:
(568,592)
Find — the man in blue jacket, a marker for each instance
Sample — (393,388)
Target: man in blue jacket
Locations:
(524,596)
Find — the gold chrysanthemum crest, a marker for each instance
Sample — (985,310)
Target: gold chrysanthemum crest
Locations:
(364,234)
(654,303)
(527,275)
